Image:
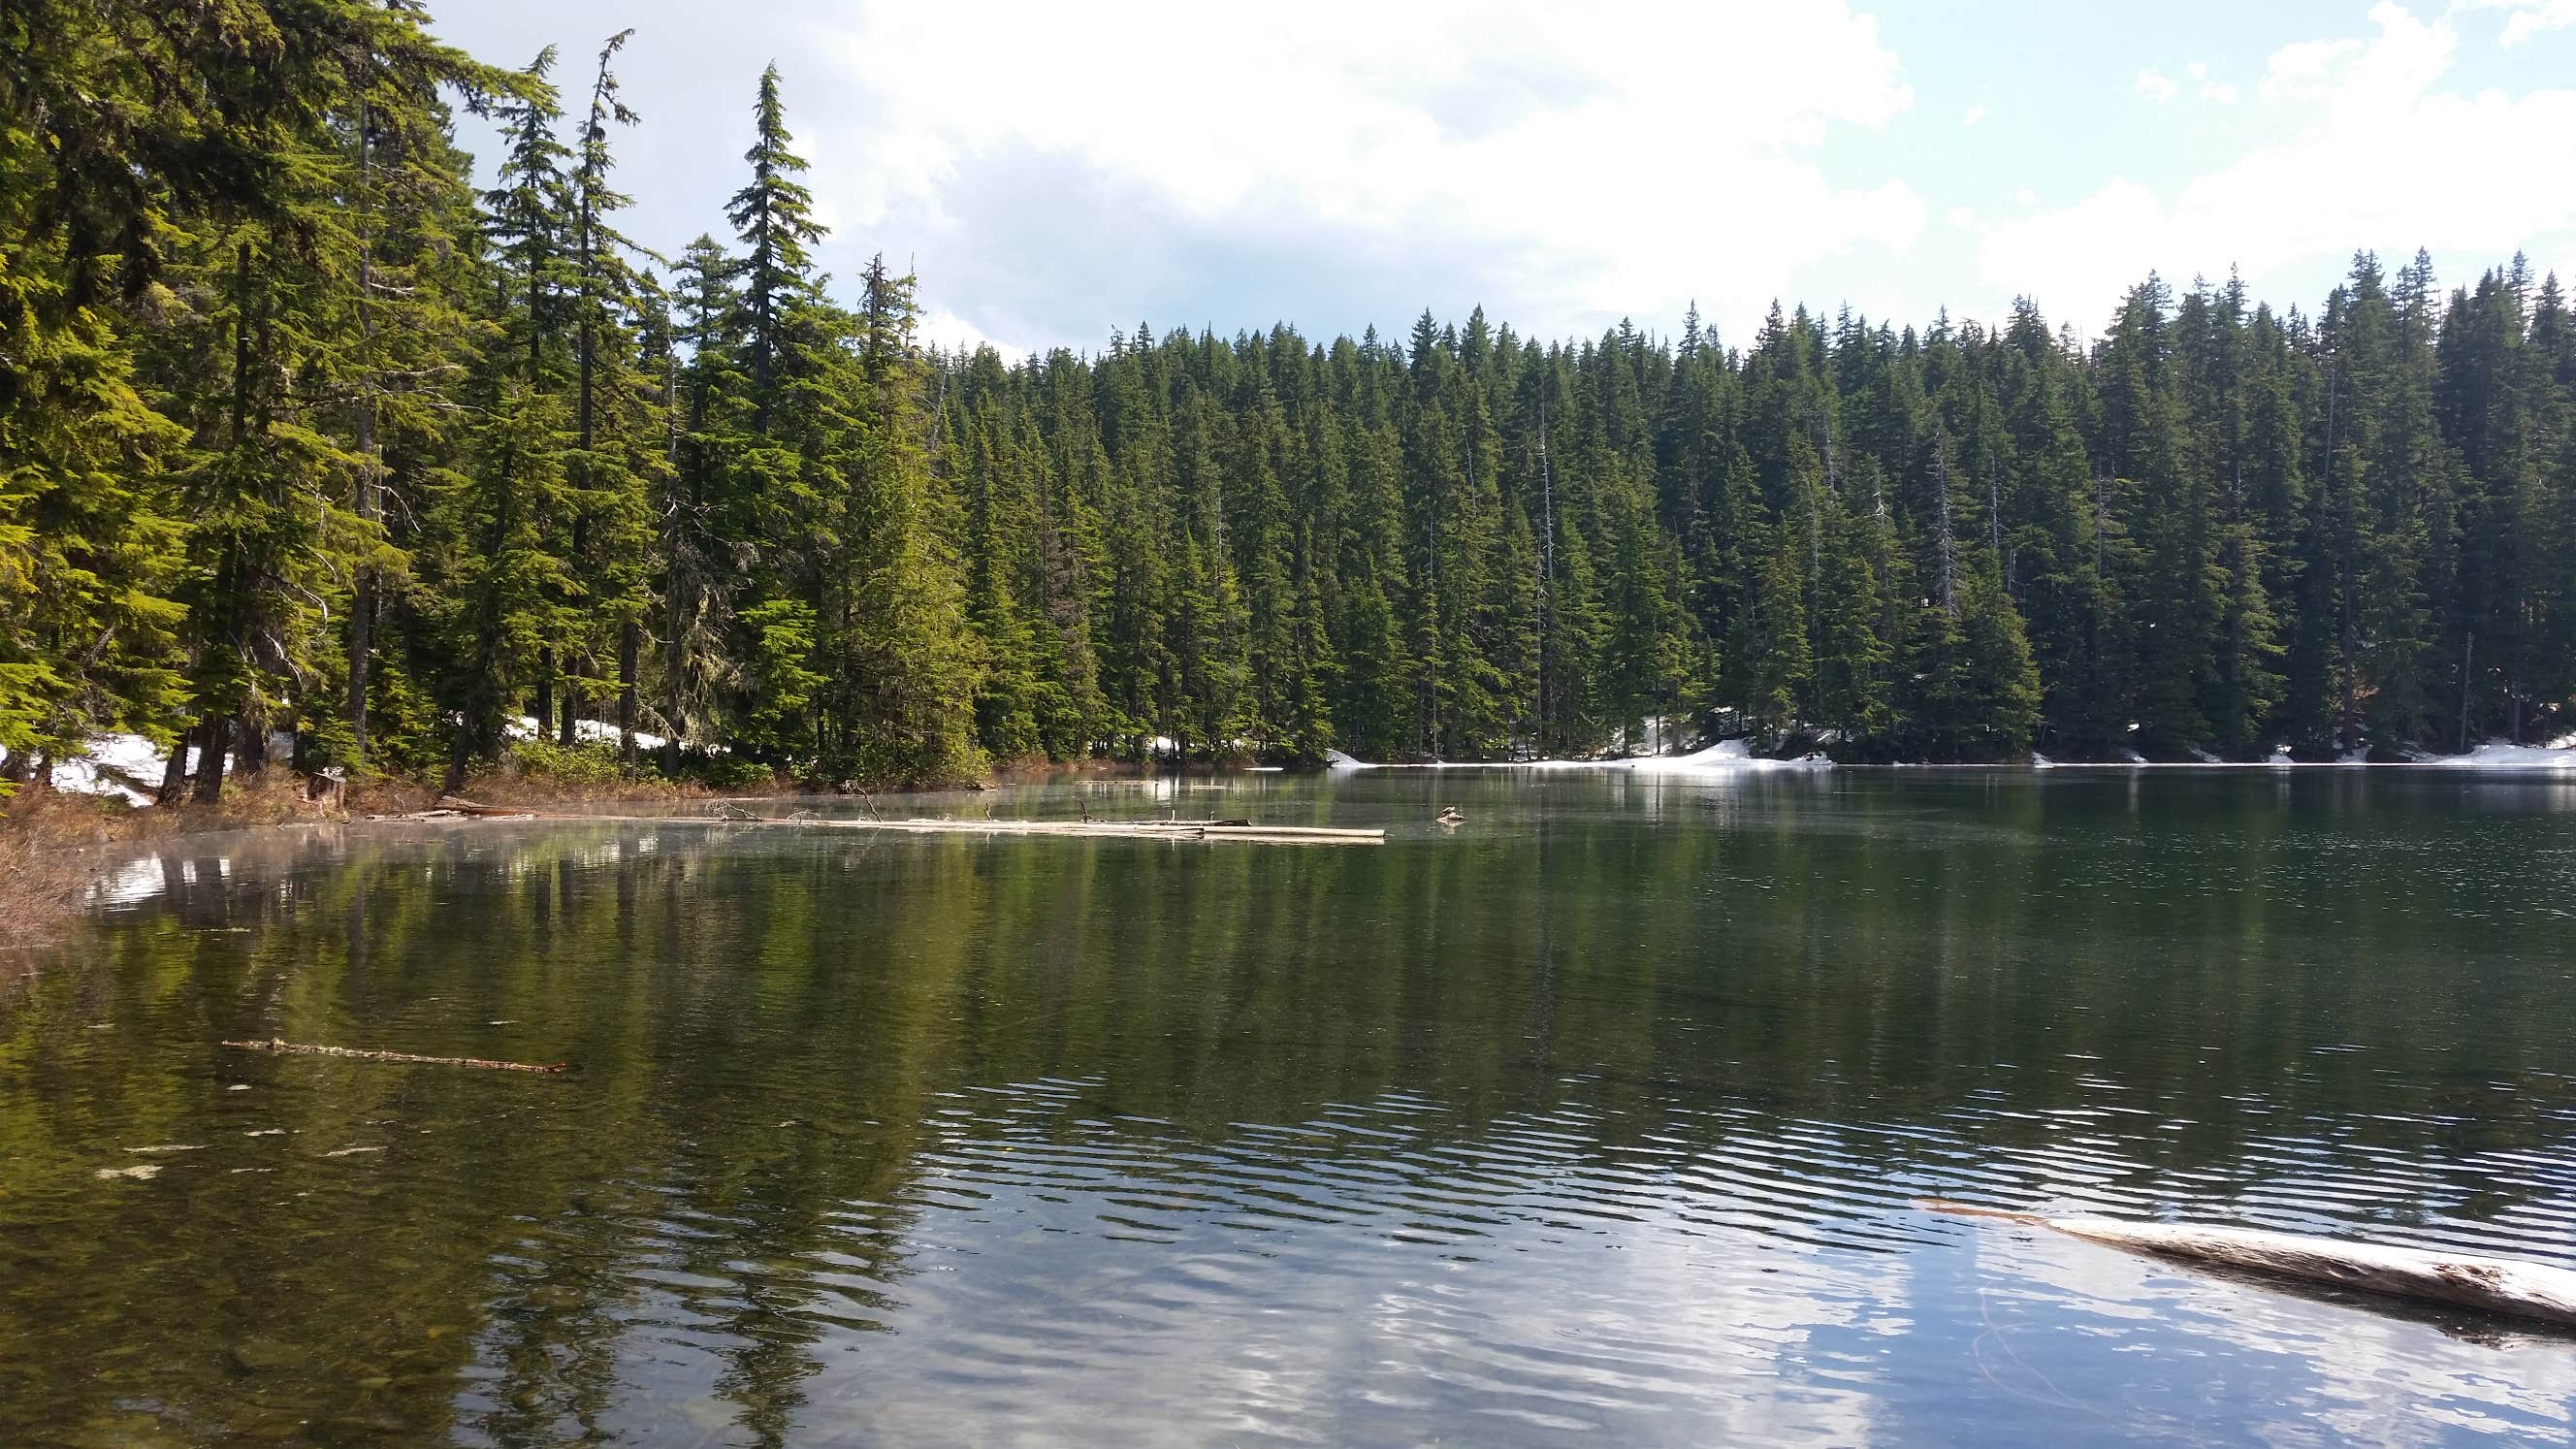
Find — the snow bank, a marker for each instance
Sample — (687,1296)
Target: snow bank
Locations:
(132,756)
(82,777)
(2496,755)
(114,759)
(1724,757)
(587,731)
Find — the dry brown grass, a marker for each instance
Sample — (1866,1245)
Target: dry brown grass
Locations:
(41,884)
(537,791)
(50,843)
(46,864)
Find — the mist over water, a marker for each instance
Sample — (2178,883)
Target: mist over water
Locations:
(1605,1113)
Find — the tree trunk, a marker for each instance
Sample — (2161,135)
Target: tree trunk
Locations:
(570,735)
(2468,671)
(630,646)
(362,628)
(545,710)
(210,759)
(362,609)
(254,746)
(174,774)
(456,761)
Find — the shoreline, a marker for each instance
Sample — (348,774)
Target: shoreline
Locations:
(1680,765)
(57,856)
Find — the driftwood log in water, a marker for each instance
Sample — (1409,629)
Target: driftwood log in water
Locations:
(304,1049)
(483,812)
(1095,829)
(2466,1280)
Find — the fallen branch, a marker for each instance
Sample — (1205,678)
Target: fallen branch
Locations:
(297,1048)
(2465,1280)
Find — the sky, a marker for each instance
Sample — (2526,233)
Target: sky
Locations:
(1053,171)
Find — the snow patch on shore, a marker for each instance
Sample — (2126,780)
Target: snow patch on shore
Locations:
(1727,756)
(132,756)
(586,731)
(2497,755)
(112,760)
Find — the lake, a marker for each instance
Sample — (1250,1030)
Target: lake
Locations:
(1604,1115)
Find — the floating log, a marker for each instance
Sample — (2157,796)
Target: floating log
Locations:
(2465,1280)
(1293,832)
(305,1049)
(484,812)
(1095,829)
(1196,830)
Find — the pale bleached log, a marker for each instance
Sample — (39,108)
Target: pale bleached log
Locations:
(483,812)
(1091,829)
(2466,1280)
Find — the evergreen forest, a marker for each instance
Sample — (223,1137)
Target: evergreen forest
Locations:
(306,435)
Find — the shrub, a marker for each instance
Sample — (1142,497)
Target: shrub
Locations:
(593,765)
(731,772)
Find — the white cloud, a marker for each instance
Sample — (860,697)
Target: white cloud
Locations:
(1974,115)
(940,327)
(1963,216)
(2298,72)
(2160,88)
(2525,18)
(1491,150)
(2375,155)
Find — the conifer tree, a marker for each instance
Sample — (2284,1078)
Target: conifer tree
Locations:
(773,215)
(618,429)
(295,438)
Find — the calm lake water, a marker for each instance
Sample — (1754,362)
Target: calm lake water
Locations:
(1604,1115)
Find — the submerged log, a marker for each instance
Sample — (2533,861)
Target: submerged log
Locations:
(295,1048)
(2464,1280)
